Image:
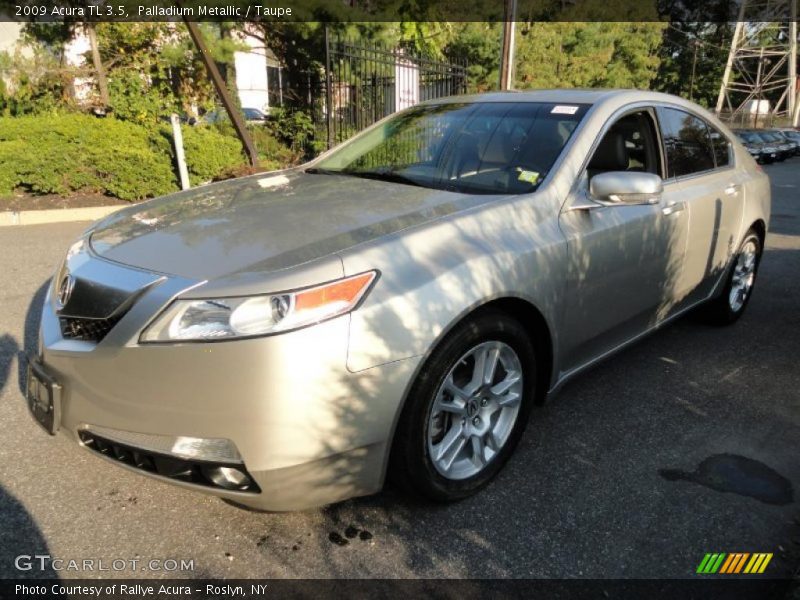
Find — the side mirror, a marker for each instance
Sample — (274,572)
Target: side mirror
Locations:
(625,188)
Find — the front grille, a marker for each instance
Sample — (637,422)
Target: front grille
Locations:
(88,330)
(190,471)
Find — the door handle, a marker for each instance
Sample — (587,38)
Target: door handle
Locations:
(732,189)
(673,206)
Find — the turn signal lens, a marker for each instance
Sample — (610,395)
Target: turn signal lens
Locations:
(334,296)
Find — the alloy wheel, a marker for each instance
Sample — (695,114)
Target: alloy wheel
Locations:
(744,273)
(474,410)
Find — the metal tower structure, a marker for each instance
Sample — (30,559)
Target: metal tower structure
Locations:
(760,78)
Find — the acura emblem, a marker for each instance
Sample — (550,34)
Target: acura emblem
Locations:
(65,291)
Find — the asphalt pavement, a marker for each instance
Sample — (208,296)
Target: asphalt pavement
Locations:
(684,444)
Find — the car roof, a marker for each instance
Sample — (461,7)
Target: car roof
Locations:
(566,95)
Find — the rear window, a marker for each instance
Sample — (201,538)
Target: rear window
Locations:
(687,142)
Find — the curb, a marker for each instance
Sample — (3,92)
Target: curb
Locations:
(55,215)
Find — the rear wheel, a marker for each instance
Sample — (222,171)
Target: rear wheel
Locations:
(730,305)
(467,410)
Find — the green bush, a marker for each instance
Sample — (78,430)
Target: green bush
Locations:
(134,99)
(209,153)
(294,128)
(273,153)
(63,153)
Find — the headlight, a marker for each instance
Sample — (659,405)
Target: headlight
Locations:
(227,318)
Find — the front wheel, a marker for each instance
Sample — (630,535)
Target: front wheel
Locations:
(730,305)
(467,409)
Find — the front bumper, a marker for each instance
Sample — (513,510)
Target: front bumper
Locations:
(308,430)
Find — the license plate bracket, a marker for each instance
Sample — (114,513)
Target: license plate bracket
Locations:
(43,394)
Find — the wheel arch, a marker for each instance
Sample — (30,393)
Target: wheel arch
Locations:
(531,318)
(760,228)
(538,331)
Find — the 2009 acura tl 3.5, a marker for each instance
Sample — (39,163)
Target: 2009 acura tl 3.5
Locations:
(395,307)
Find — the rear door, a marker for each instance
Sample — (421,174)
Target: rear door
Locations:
(700,160)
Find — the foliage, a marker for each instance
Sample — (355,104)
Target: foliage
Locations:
(272,153)
(592,54)
(133,98)
(31,84)
(479,45)
(78,152)
(693,60)
(109,156)
(209,154)
(152,68)
(294,128)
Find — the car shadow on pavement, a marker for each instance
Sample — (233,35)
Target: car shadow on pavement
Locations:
(23,550)
(24,553)
(9,347)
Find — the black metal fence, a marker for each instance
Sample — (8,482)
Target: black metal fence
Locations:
(365,82)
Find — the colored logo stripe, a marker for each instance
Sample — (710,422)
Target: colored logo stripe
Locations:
(734,563)
(758,563)
(710,563)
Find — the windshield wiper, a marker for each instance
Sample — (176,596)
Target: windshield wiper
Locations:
(390,176)
(320,171)
(386,175)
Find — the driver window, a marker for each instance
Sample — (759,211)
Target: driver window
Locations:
(629,145)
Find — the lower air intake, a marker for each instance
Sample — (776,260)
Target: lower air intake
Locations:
(88,330)
(233,477)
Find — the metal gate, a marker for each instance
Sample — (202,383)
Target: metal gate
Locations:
(365,82)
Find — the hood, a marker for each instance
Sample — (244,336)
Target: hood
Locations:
(266,223)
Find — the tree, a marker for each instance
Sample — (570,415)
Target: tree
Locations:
(587,54)
(693,56)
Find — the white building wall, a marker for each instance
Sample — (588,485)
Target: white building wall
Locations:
(251,75)
(75,56)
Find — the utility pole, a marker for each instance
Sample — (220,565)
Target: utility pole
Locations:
(507,52)
(765,32)
(696,44)
(222,91)
(99,69)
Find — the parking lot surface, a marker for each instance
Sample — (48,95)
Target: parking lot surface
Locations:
(685,443)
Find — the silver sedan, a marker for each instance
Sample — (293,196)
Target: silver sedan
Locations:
(394,308)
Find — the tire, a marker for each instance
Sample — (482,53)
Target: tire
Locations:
(439,425)
(726,308)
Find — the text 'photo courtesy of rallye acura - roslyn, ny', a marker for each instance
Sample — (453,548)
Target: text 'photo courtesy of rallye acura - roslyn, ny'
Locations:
(394,308)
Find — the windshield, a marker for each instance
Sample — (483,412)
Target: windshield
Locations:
(480,148)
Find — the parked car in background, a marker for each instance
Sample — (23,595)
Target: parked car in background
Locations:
(756,147)
(251,115)
(771,149)
(791,137)
(254,115)
(792,134)
(784,147)
(397,306)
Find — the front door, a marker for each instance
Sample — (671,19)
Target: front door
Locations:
(624,261)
